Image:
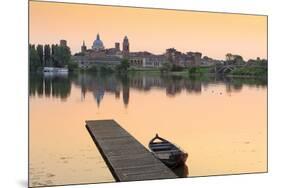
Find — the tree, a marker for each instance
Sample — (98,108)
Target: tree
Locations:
(61,55)
(65,55)
(238,59)
(192,70)
(53,47)
(166,67)
(176,67)
(40,52)
(228,57)
(47,55)
(34,60)
(72,65)
(124,66)
(57,56)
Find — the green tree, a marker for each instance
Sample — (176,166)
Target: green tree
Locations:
(61,55)
(40,52)
(228,57)
(192,70)
(34,60)
(93,68)
(166,67)
(47,55)
(124,66)
(176,68)
(72,65)
(238,60)
(65,55)
(53,47)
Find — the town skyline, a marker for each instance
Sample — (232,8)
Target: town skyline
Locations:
(89,46)
(220,34)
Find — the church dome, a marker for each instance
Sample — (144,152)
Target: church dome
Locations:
(98,44)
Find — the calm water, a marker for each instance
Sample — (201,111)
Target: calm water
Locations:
(221,123)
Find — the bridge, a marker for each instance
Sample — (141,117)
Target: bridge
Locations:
(226,68)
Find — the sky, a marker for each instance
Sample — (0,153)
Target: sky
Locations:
(153,30)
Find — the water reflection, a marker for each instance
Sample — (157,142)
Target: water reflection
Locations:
(59,86)
(50,85)
(195,113)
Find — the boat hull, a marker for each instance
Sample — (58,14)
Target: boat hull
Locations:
(174,161)
(167,152)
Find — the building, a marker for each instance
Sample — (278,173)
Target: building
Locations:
(63,43)
(97,44)
(86,62)
(176,57)
(117,46)
(146,60)
(83,47)
(99,55)
(126,46)
(210,61)
(183,59)
(193,58)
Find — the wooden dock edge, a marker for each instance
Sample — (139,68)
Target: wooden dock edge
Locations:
(103,154)
(108,163)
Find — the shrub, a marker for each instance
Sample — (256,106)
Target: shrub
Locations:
(92,69)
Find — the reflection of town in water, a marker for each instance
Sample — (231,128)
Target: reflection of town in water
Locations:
(59,86)
(216,118)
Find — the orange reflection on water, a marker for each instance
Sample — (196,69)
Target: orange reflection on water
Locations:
(224,130)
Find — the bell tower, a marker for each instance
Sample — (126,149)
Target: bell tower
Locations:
(126,46)
(83,47)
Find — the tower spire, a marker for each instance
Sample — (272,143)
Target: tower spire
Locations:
(126,45)
(83,47)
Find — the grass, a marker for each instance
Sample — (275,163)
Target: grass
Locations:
(249,71)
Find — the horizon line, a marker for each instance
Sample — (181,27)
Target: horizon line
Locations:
(253,58)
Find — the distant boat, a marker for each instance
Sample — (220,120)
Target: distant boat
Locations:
(171,155)
(55,70)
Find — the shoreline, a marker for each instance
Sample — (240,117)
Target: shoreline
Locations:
(184,73)
(245,76)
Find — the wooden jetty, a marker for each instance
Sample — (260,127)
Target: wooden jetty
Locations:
(127,159)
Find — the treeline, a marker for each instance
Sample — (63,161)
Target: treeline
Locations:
(250,71)
(122,68)
(49,56)
(238,59)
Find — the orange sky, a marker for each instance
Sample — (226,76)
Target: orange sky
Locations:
(154,30)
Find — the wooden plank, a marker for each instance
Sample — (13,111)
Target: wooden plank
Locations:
(127,159)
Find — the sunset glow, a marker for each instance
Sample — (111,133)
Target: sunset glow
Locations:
(154,30)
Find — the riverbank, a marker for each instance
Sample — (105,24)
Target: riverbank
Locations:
(245,76)
(249,71)
(243,72)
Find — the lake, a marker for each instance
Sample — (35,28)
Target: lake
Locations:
(220,122)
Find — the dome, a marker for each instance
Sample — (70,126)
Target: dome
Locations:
(98,44)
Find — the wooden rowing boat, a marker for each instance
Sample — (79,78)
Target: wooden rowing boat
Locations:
(171,155)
